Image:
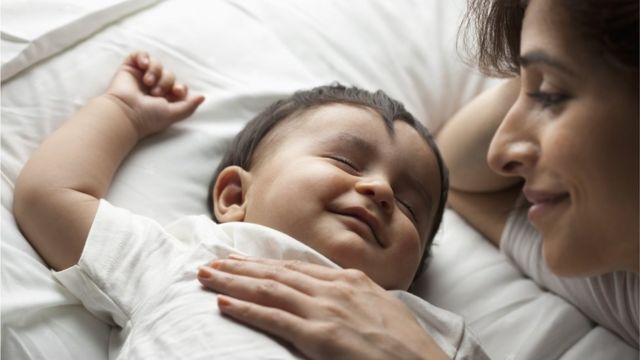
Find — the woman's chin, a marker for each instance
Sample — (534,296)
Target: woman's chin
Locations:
(564,265)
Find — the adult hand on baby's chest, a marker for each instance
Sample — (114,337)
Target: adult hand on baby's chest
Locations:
(325,313)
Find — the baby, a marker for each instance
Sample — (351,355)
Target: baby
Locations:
(334,176)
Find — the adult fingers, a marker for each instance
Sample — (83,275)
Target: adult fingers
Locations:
(320,272)
(257,270)
(315,338)
(279,323)
(328,279)
(264,292)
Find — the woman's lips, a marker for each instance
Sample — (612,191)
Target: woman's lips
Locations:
(544,203)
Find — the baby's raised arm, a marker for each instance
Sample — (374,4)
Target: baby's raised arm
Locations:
(58,191)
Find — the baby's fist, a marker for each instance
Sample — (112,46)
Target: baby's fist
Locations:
(150,95)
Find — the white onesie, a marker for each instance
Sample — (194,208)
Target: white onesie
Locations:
(141,277)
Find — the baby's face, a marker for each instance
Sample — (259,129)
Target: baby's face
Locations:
(341,183)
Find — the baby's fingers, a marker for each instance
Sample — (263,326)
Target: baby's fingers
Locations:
(153,73)
(141,59)
(182,109)
(165,84)
(179,91)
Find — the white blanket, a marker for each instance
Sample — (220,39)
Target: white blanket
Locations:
(242,55)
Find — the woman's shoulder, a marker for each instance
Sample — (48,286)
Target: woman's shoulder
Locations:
(610,300)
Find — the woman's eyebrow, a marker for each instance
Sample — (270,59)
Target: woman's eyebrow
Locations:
(540,57)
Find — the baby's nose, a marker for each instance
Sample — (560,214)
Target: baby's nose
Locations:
(379,190)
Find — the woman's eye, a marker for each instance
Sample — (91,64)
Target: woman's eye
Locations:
(408,208)
(546,99)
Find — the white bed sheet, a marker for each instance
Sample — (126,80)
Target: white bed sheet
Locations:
(242,55)
(53,25)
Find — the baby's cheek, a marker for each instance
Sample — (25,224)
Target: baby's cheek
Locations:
(411,246)
(407,256)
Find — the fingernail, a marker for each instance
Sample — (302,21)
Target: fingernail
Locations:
(178,90)
(237,257)
(217,264)
(223,301)
(203,273)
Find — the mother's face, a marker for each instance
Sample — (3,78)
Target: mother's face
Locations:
(573,136)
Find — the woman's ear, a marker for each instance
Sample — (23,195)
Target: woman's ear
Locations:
(228,194)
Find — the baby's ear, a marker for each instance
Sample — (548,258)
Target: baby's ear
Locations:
(228,194)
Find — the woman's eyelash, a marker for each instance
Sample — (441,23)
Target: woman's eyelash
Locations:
(547,99)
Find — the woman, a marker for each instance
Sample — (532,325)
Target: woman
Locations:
(557,190)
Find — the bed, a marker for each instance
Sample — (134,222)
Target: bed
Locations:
(242,55)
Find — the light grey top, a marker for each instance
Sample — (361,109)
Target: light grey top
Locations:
(610,300)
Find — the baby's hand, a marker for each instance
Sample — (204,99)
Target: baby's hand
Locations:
(150,95)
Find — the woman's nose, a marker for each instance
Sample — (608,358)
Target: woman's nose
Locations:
(379,190)
(514,149)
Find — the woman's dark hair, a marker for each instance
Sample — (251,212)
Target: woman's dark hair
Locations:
(242,149)
(490,31)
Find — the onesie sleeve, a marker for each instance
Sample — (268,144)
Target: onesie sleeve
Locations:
(121,263)
(447,329)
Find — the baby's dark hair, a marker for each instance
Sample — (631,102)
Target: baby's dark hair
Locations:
(242,149)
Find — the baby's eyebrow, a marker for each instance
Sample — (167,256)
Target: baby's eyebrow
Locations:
(353,141)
